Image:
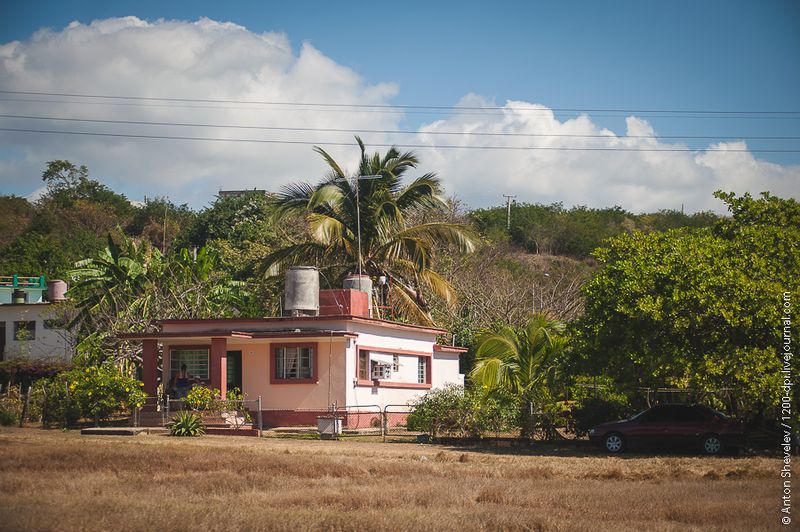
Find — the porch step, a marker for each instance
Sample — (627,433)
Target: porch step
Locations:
(122,431)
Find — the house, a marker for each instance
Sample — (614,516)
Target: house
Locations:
(326,350)
(29,323)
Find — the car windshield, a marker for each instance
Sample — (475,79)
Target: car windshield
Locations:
(637,416)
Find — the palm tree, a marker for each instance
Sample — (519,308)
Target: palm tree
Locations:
(521,361)
(390,245)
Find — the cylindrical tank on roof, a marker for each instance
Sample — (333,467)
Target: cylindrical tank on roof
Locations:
(56,290)
(19,296)
(362,283)
(301,293)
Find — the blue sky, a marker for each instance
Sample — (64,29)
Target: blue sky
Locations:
(633,55)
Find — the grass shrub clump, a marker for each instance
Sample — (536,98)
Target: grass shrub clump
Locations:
(187,423)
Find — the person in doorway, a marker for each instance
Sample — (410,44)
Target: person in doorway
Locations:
(182,382)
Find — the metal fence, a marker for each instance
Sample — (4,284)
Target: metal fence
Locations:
(229,413)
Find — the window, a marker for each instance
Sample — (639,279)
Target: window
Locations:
(363,365)
(294,362)
(422,370)
(396,363)
(196,361)
(24,330)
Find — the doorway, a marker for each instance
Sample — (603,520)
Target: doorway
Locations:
(234,370)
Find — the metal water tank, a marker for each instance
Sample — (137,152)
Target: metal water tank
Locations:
(56,290)
(301,293)
(362,283)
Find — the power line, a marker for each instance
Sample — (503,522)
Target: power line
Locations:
(393,131)
(417,146)
(394,106)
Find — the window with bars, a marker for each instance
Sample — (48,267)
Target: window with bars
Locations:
(363,365)
(24,330)
(294,363)
(196,361)
(422,370)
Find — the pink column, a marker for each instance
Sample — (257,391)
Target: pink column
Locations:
(219,365)
(150,367)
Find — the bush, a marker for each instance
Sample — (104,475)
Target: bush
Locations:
(25,371)
(201,398)
(454,411)
(95,392)
(187,423)
(595,400)
(11,405)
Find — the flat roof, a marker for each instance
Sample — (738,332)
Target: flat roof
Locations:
(246,335)
(309,319)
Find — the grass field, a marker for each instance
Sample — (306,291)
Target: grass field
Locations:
(53,480)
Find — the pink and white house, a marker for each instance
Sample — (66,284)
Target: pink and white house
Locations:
(327,350)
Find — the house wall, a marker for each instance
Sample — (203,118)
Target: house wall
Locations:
(446,370)
(443,369)
(256,359)
(47,342)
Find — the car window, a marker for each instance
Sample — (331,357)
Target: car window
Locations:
(657,414)
(686,414)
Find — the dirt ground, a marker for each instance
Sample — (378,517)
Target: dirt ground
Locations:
(53,480)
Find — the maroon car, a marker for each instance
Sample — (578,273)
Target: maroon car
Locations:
(671,427)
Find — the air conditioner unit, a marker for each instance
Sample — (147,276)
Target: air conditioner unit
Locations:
(381,371)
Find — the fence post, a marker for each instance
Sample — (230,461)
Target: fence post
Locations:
(165,412)
(44,407)
(384,422)
(260,420)
(25,407)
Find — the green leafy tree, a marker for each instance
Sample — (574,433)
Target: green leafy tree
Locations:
(129,285)
(697,308)
(522,362)
(389,244)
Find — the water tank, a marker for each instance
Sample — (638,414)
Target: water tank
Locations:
(56,290)
(301,294)
(362,283)
(19,296)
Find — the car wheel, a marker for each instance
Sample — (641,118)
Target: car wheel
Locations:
(614,442)
(712,444)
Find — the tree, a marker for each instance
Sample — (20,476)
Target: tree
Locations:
(390,246)
(522,362)
(127,286)
(697,308)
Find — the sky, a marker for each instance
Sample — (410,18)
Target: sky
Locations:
(644,105)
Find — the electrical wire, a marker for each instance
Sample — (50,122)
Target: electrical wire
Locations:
(416,146)
(415,110)
(398,106)
(393,131)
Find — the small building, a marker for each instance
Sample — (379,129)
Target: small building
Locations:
(326,350)
(29,323)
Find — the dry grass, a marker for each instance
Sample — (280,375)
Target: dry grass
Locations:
(64,481)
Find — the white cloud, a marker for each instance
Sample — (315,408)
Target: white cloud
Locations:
(224,61)
(201,60)
(636,180)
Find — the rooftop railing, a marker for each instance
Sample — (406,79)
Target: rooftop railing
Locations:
(22,281)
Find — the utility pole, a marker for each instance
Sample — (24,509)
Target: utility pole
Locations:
(508,209)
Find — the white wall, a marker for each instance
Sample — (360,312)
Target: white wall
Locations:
(47,342)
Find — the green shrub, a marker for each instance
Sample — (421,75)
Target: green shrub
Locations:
(201,398)
(186,423)
(11,405)
(595,400)
(94,392)
(454,411)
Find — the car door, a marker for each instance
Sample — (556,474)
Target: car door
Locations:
(685,427)
(650,427)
